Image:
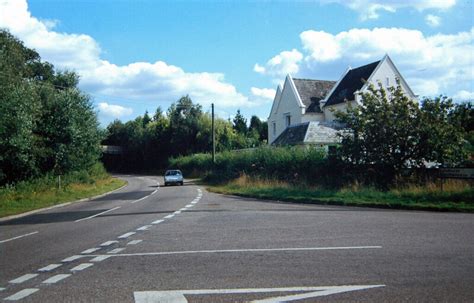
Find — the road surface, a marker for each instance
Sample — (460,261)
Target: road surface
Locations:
(147,243)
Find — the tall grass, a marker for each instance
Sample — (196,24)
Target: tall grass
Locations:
(454,195)
(42,192)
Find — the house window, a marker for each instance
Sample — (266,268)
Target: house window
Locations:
(387,81)
(274,127)
(288,120)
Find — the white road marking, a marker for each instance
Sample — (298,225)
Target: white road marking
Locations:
(177,212)
(81,266)
(108,243)
(93,216)
(56,278)
(19,237)
(157,222)
(72,258)
(189,252)
(183,209)
(169,216)
(23,278)
(141,199)
(189,206)
(144,227)
(134,242)
(178,296)
(100,258)
(124,236)
(116,251)
(2,288)
(22,294)
(194,202)
(90,250)
(50,267)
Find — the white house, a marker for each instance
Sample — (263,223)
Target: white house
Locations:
(302,104)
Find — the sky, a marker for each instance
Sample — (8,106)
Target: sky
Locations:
(137,55)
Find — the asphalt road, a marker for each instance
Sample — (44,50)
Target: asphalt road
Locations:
(146,243)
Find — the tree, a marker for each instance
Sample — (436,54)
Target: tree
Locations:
(240,123)
(146,119)
(392,132)
(184,125)
(46,123)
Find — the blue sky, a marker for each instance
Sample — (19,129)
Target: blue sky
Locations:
(137,55)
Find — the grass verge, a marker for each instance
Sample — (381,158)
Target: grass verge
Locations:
(455,195)
(44,192)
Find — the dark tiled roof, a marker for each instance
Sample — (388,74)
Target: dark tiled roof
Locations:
(352,81)
(312,91)
(310,133)
(292,135)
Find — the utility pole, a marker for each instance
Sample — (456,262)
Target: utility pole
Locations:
(213,136)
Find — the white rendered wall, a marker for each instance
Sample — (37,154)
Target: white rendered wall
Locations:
(329,111)
(309,117)
(288,105)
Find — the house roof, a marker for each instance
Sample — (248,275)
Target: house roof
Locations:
(310,133)
(313,91)
(292,135)
(350,83)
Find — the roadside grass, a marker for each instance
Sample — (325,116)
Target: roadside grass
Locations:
(455,195)
(44,192)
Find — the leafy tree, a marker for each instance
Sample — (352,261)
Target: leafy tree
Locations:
(146,119)
(240,123)
(392,132)
(46,123)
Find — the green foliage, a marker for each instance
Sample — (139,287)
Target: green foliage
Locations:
(240,123)
(390,132)
(289,164)
(46,123)
(184,130)
(43,191)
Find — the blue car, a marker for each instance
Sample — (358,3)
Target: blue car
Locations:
(173,176)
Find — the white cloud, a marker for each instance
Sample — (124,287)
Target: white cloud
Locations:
(464,95)
(370,9)
(114,111)
(140,80)
(432,20)
(265,93)
(437,64)
(284,63)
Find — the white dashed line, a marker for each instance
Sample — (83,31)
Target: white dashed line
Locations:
(56,278)
(108,243)
(72,258)
(177,212)
(90,250)
(81,266)
(157,222)
(19,237)
(124,236)
(93,216)
(49,267)
(100,258)
(23,278)
(2,289)
(22,294)
(169,216)
(134,242)
(189,206)
(144,227)
(116,251)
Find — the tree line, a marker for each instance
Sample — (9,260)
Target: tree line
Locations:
(149,141)
(47,125)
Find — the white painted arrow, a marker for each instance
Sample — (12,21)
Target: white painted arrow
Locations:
(178,296)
